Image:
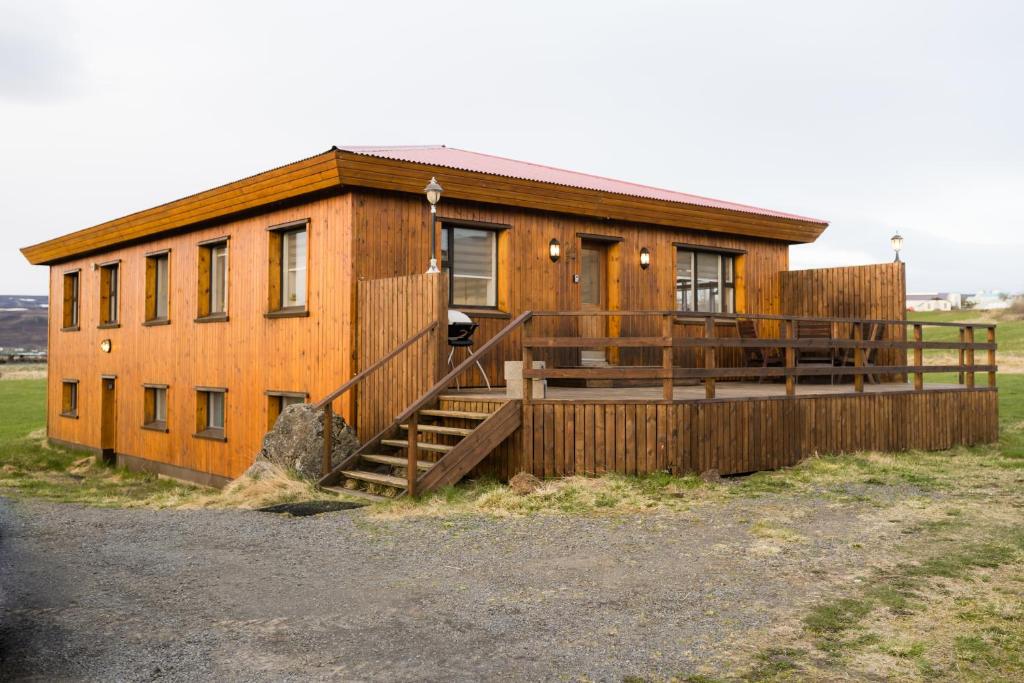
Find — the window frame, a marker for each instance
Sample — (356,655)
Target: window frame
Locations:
(275,404)
(203,428)
(71,302)
(150,418)
(722,253)
(205,280)
(110,289)
(152,306)
(453,224)
(69,398)
(276,270)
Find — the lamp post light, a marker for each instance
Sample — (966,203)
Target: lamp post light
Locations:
(433,191)
(897,244)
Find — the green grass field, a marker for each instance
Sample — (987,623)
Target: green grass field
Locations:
(1009,331)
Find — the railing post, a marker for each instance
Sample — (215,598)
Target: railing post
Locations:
(918,357)
(992,356)
(858,357)
(962,355)
(411,469)
(527,365)
(789,334)
(328,437)
(666,357)
(970,357)
(709,357)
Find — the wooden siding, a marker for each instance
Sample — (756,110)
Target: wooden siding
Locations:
(593,437)
(390,311)
(872,292)
(248,354)
(392,238)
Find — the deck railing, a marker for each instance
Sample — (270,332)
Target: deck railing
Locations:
(788,345)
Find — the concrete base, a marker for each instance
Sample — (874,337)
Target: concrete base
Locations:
(514,380)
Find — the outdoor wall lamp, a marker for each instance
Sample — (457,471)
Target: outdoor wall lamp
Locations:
(554,250)
(645,258)
(897,244)
(433,191)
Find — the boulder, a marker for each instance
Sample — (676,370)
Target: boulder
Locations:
(524,483)
(297,441)
(710,476)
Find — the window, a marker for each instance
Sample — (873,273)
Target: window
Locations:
(213,281)
(155,409)
(705,281)
(158,293)
(69,398)
(288,256)
(277,401)
(110,285)
(70,308)
(210,415)
(470,256)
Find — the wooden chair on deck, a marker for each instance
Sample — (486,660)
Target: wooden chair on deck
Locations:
(757,356)
(824,356)
(869,332)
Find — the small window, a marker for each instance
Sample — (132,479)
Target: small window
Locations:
(210,415)
(110,290)
(288,257)
(705,281)
(70,307)
(213,280)
(69,398)
(470,257)
(155,410)
(158,295)
(277,401)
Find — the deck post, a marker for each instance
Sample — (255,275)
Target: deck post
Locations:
(527,365)
(789,334)
(962,355)
(858,357)
(992,356)
(666,357)
(411,469)
(970,357)
(918,357)
(328,438)
(709,357)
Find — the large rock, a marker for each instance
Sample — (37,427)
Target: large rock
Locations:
(297,441)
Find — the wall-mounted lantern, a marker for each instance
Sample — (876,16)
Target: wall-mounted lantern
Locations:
(645,258)
(433,191)
(897,244)
(554,250)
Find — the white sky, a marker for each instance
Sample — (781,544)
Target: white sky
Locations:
(874,115)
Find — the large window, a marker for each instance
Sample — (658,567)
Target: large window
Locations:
(705,281)
(470,256)
(210,416)
(213,281)
(69,313)
(110,294)
(155,408)
(158,288)
(288,256)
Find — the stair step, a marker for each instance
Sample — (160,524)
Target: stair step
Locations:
(455,414)
(395,461)
(402,443)
(438,429)
(374,478)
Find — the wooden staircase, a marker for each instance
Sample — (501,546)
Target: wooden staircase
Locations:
(448,444)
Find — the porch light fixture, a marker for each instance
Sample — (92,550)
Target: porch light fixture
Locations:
(897,244)
(433,191)
(554,250)
(645,258)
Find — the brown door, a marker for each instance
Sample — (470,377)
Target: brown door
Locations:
(108,425)
(593,297)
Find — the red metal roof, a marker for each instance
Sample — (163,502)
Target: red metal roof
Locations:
(450,157)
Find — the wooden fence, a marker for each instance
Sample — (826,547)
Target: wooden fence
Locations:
(389,311)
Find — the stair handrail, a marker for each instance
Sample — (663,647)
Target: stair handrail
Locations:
(428,396)
(326,403)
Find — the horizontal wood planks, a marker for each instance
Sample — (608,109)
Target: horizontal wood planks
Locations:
(733,436)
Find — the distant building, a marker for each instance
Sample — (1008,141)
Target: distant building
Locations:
(938,301)
(989,301)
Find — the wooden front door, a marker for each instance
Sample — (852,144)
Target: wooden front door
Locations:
(108,419)
(593,297)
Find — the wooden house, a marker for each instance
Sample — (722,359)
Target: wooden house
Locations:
(658,330)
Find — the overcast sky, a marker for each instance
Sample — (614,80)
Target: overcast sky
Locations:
(877,116)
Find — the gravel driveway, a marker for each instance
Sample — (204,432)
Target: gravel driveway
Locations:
(235,596)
